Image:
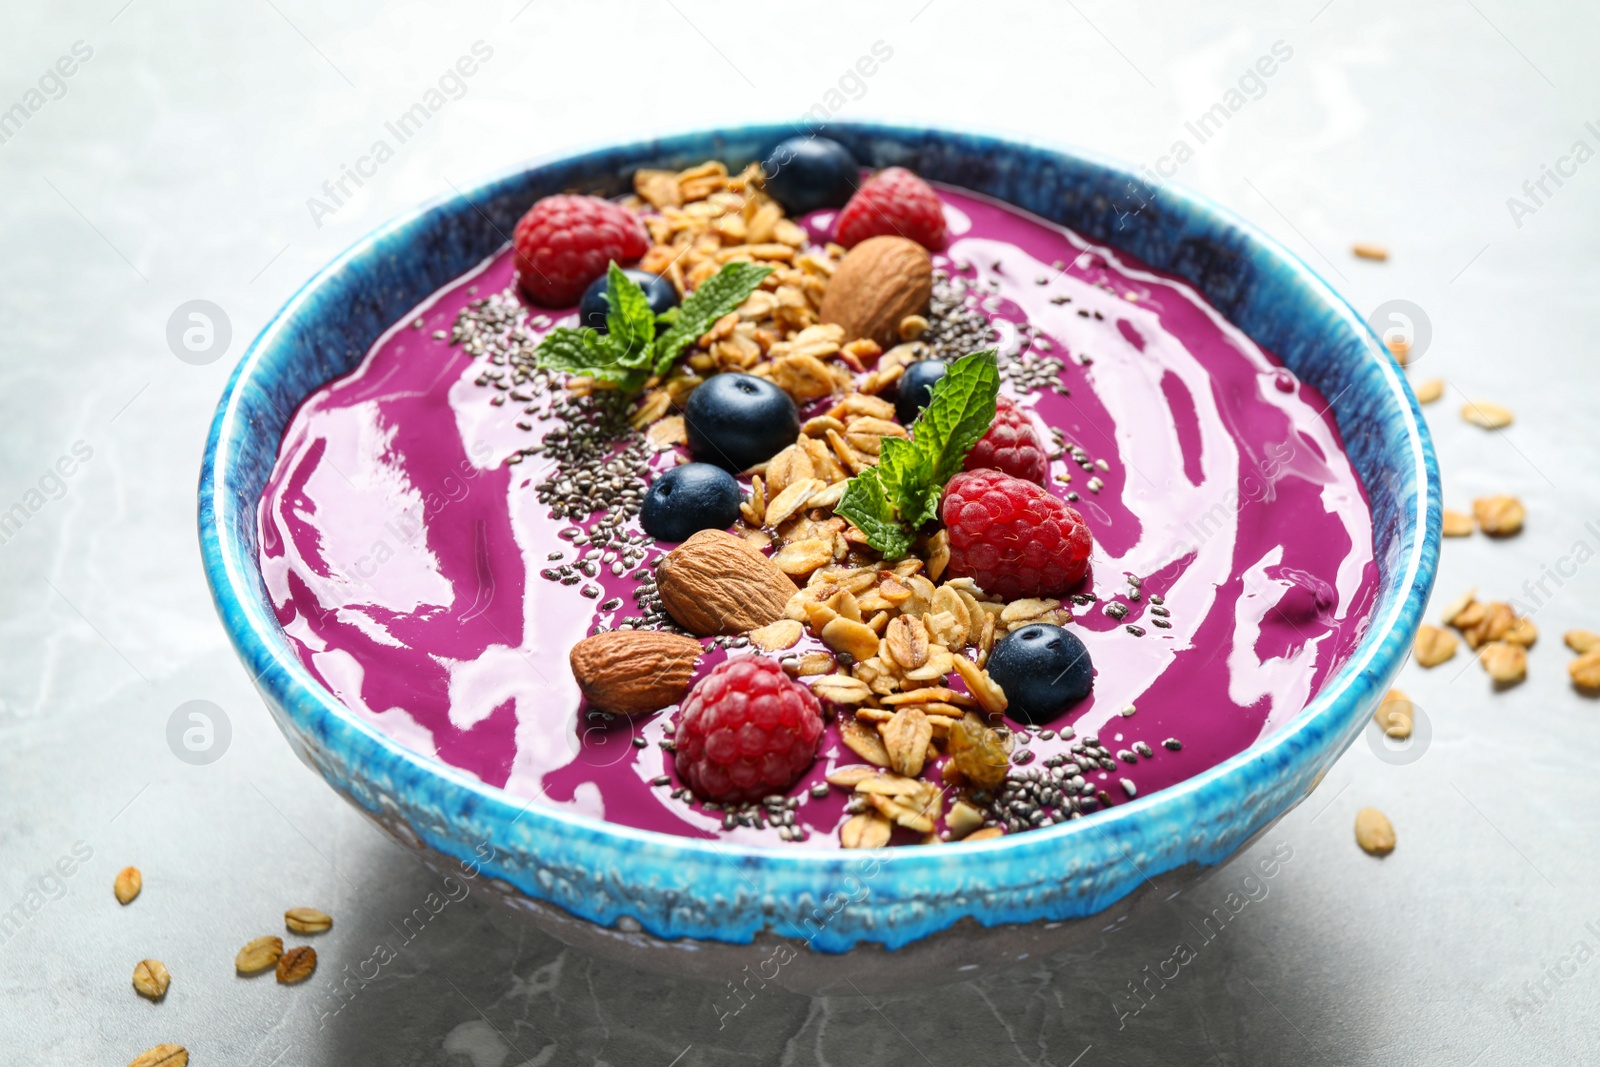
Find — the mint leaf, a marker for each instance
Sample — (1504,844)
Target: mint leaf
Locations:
(630,324)
(572,351)
(717,295)
(569,350)
(889,502)
(865,504)
(629,351)
(903,470)
(959,413)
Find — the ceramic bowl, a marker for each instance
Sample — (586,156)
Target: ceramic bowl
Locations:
(915,914)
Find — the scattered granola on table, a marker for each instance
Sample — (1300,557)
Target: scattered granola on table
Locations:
(151,979)
(1585,669)
(1455,523)
(1486,414)
(1433,645)
(1499,516)
(1374,832)
(1395,715)
(163,1055)
(127,885)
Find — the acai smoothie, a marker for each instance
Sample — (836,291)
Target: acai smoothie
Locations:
(806,507)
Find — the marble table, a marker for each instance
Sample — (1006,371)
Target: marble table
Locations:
(165,154)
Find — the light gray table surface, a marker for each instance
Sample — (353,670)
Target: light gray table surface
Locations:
(176,163)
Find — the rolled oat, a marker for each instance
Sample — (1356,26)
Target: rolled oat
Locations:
(127,885)
(297,964)
(1455,523)
(258,955)
(1374,832)
(1489,416)
(163,1055)
(1433,645)
(150,979)
(307,920)
(1506,663)
(1499,516)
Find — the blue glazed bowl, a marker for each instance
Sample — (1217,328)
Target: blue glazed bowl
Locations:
(679,903)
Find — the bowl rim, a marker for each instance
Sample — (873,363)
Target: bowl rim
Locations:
(277,670)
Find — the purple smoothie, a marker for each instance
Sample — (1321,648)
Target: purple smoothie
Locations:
(403,553)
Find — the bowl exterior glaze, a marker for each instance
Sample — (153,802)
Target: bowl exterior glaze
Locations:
(666,887)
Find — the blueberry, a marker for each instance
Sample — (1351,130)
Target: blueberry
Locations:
(916,387)
(805,173)
(1043,669)
(688,499)
(739,420)
(592,308)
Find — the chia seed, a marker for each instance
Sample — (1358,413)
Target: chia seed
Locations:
(1172,744)
(955,327)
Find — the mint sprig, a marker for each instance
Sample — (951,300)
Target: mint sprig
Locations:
(630,351)
(719,294)
(630,324)
(890,501)
(866,503)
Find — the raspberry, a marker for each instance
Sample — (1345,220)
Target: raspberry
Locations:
(1011,446)
(893,202)
(565,242)
(1011,537)
(746,731)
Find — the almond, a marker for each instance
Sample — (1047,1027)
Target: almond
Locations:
(879,282)
(634,671)
(716,583)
